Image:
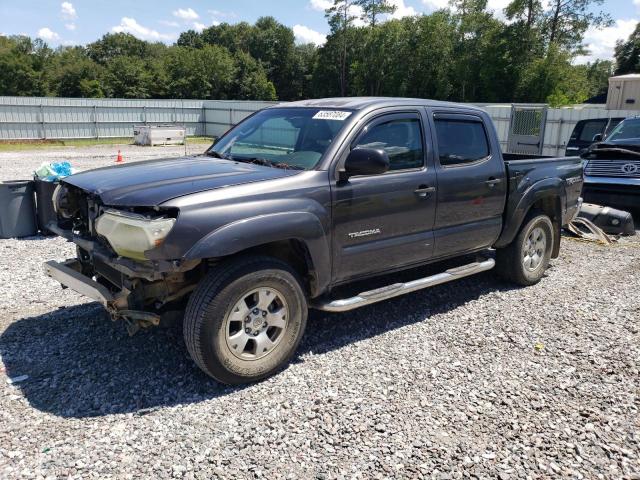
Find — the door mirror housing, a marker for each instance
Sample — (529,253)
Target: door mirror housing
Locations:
(597,137)
(366,161)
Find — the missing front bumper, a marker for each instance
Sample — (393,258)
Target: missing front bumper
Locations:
(69,275)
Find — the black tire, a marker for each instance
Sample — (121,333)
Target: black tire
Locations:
(209,316)
(510,261)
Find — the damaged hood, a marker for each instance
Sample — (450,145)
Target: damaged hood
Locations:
(154,182)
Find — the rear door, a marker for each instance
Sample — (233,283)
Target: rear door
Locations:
(386,221)
(471,183)
(583,133)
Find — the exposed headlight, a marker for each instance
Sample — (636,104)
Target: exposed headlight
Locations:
(65,203)
(130,235)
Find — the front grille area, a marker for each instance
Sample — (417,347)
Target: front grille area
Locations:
(613,168)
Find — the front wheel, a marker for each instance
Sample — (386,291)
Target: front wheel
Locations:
(245,320)
(525,260)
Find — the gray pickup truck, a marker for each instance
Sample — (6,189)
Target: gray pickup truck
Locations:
(300,203)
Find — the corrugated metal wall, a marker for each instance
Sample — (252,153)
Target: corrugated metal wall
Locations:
(558,127)
(56,118)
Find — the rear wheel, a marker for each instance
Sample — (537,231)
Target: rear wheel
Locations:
(245,320)
(525,260)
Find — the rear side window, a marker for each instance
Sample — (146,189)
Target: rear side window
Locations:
(461,141)
(590,129)
(400,138)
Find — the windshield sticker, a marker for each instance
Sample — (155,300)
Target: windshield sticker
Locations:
(331,115)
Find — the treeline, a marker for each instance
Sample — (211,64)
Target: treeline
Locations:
(463,53)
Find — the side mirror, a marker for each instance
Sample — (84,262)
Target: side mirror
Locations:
(597,137)
(366,161)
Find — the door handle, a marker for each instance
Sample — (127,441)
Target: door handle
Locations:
(423,191)
(492,182)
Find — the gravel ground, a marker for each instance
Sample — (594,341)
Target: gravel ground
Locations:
(471,379)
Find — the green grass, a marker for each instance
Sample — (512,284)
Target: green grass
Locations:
(21,145)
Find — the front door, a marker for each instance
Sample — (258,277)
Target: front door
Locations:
(386,221)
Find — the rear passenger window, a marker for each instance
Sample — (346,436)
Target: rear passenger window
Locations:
(590,129)
(461,141)
(400,138)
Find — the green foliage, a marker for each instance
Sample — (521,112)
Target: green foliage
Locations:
(199,73)
(461,54)
(373,9)
(628,54)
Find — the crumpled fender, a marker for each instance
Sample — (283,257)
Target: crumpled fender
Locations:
(254,231)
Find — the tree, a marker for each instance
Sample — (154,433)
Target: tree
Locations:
(127,77)
(553,79)
(340,16)
(628,54)
(190,38)
(251,82)
(273,44)
(205,73)
(526,11)
(114,45)
(22,65)
(71,72)
(566,21)
(372,9)
(598,74)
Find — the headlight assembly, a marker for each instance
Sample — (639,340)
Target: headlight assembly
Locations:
(130,234)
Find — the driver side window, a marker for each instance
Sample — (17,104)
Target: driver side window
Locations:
(401,138)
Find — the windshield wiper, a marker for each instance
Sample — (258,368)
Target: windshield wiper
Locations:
(268,163)
(214,154)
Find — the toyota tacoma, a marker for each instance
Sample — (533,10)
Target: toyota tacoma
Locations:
(309,205)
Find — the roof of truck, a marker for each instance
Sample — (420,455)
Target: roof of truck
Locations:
(361,103)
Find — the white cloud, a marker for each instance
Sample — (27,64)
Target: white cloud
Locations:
(68,11)
(70,26)
(130,25)
(46,33)
(169,23)
(306,35)
(355,10)
(435,4)
(186,14)
(403,10)
(601,43)
(497,7)
(199,26)
(636,3)
(321,5)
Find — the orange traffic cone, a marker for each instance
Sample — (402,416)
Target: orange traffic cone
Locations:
(119,159)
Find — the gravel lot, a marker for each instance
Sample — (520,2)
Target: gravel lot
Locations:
(471,379)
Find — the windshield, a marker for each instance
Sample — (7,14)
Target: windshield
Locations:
(627,132)
(282,137)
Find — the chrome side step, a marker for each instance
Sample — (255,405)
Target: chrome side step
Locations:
(397,289)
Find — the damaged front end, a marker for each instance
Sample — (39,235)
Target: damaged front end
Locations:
(111,266)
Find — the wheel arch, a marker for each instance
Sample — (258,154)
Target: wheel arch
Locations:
(297,238)
(546,196)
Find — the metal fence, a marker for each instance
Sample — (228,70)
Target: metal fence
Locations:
(27,118)
(59,118)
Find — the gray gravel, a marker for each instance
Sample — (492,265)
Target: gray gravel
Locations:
(475,379)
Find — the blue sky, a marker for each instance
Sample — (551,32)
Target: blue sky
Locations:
(81,21)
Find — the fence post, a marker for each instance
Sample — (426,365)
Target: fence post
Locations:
(42,121)
(230,117)
(144,114)
(203,121)
(95,121)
